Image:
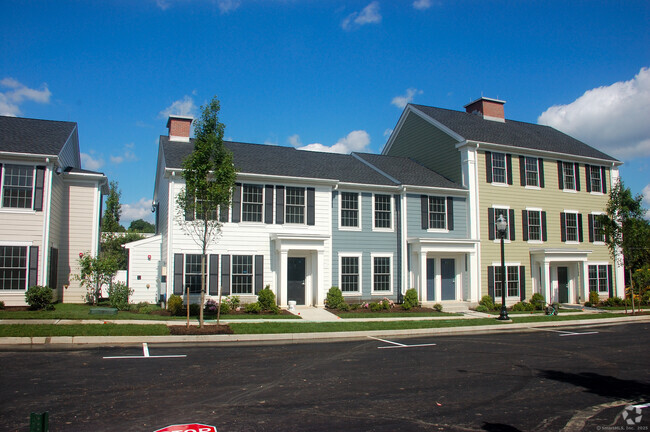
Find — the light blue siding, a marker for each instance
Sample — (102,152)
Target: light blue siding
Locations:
(414,219)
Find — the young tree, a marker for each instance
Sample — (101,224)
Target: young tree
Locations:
(111,246)
(95,272)
(113,211)
(627,233)
(142,226)
(209,175)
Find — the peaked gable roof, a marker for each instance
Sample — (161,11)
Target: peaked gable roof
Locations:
(510,133)
(33,136)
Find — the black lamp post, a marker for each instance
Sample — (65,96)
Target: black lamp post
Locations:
(502,229)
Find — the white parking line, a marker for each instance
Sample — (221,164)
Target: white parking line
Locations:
(397,344)
(564,333)
(145,355)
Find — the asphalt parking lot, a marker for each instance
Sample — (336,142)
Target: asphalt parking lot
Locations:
(556,379)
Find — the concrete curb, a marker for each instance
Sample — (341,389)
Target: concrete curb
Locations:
(293,338)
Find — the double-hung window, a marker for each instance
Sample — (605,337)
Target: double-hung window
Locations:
(569,175)
(437,212)
(193,273)
(506,215)
(571,228)
(499,168)
(531,171)
(350,276)
(295,205)
(349,209)
(595,178)
(383,211)
(252,196)
(512,281)
(17,186)
(381,280)
(534,225)
(13,267)
(598,278)
(242,274)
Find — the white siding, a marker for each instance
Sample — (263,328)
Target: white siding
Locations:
(143,275)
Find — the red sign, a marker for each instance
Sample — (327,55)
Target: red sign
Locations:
(194,427)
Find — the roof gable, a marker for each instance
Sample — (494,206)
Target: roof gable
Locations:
(33,136)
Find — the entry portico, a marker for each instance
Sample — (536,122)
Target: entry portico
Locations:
(560,275)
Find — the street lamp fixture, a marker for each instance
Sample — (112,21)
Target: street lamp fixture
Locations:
(502,230)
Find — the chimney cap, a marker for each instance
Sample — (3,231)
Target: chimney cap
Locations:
(487,99)
(178,117)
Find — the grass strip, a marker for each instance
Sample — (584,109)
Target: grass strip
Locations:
(389,315)
(36,330)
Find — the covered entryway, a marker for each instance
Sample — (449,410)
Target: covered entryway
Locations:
(296,280)
(560,275)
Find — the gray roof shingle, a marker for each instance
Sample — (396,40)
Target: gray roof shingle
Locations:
(33,136)
(511,133)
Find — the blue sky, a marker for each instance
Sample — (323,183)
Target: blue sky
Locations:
(332,75)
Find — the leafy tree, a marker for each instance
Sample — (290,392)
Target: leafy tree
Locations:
(627,233)
(111,246)
(209,175)
(95,272)
(113,211)
(142,226)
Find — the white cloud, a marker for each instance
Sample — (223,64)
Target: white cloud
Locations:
(387,133)
(140,209)
(294,140)
(184,107)
(90,163)
(611,118)
(402,101)
(126,156)
(355,141)
(226,6)
(18,93)
(368,15)
(646,200)
(422,4)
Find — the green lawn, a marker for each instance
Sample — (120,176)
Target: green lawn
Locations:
(36,330)
(388,315)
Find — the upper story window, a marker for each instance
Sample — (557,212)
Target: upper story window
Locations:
(349,209)
(596,231)
(568,170)
(17,186)
(532,172)
(493,217)
(571,226)
(437,212)
(595,181)
(534,225)
(383,211)
(499,168)
(295,205)
(252,196)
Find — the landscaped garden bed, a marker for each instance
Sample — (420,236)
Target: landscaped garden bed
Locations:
(209,329)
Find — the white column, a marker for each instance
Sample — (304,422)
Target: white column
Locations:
(422,273)
(546,288)
(320,280)
(282,277)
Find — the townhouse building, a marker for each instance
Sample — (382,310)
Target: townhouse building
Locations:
(302,222)
(49,208)
(548,186)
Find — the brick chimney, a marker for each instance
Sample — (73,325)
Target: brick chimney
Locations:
(489,109)
(179,127)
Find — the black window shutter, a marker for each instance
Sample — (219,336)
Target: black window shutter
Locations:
(268,204)
(511,222)
(225,275)
(38,189)
(560,175)
(32,278)
(450,213)
(524,224)
(236,203)
(424,211)
(540,167)
(576,170)
(544,235)
(491,223)
(522,171)
(189,213)
(311,206)
(54,268)
(488,167)
(603,179)
(213,278)
(509,168)
(279,204)
(563,226)
(491,281)
(588,177)
(522,282)
(580,237)
(178,274)
(223,213)
(610,281)
(590,219)
(259,273)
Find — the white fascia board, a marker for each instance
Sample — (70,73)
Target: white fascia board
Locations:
(30,156)
(368,187)
(142,242)
(285,179)
(436,190)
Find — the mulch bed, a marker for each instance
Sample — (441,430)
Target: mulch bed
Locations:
(207,329)
(396,308)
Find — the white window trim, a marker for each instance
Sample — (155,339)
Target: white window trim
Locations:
(19,244)
(535,209)
(359,227)
(391,228)
(496,237)
(598,263)
(575,182)
(600,175)
(597,242)
(304,207)
(508,264)
(505,170)
(437,230)
(539,177)
(4,209)
(372,273)
(358,255)
(241,204)
(566,225)
(232,273)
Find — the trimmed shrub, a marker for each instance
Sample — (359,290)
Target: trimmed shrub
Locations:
(487,302)
(211,306)
(482,308)
(613,301)
(437,307)
(195,309)
(538,301)
(2,305)
(645,299)
(39,297)
(266,299)
(410,299)
(523,307)
(593,298)
(346,307)
(253,308)
(118,296)
(588,304)
(334,298)
(175,305)
(376,307)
